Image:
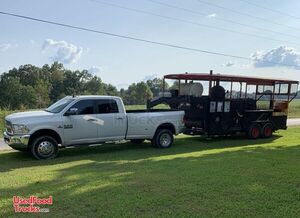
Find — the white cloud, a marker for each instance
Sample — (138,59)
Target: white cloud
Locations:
(211,15)
(229,64)
(4,47)
(278,57)
(62,51)
(94,70)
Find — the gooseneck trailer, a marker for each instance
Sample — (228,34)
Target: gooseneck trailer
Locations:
(216,104)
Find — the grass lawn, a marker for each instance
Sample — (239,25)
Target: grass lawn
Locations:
(225,177)
(294,109)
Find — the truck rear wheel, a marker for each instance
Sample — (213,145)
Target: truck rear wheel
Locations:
(254,131)
(267,130)
(44,147)
(163,138)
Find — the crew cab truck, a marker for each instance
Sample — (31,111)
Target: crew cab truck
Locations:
(79,120)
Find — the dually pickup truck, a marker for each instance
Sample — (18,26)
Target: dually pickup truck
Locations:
(78,120)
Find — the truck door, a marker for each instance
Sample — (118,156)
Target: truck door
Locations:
(81,128)
(113,122)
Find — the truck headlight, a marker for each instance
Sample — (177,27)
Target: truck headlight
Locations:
(20,129)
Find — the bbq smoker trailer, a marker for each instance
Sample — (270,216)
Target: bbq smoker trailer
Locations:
(216,104)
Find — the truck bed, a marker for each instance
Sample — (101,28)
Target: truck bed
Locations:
(143,123)
(149,111)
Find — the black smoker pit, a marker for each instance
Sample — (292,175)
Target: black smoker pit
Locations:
(226,112)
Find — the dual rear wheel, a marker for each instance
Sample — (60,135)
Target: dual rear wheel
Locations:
(44,147)
(260,131)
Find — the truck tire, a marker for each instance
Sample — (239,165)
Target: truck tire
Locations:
(44,147)
(137,141)
(267,130)
(163,138)
(254,131)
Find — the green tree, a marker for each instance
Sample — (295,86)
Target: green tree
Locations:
(110,90)
(94,86)
(14,95)
(156,86)
(36,87)
(42,89)
(71,83)
(56,79)
(138,93)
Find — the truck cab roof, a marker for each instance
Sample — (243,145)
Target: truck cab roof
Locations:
(94,97)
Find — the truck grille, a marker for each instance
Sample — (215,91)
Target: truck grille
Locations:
(8,127)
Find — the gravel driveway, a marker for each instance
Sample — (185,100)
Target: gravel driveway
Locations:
(293,122)
(3,146)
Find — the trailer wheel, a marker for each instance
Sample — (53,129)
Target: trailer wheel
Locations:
(267,130)
(163,138)
(254,131)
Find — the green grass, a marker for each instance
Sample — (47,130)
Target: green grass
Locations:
(225,177)
(294,109)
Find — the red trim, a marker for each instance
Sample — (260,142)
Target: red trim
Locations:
(267,131)
(255,132)
(229,78)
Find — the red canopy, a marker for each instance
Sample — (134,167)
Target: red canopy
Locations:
(228,78)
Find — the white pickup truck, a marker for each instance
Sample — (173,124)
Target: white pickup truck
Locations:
(81,120)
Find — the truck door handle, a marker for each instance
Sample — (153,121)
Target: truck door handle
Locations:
(120,118)
(91,120)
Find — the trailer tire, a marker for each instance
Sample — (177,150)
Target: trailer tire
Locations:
(267,130)
(254,131)
(163,138)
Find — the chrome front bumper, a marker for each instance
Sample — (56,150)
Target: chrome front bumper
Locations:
(16,141)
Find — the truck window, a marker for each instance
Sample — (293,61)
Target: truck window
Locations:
(84,107)
(59,105)
(107,106)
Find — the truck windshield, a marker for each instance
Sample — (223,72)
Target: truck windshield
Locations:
(59,105)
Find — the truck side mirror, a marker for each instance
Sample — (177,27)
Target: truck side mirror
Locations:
(71,111)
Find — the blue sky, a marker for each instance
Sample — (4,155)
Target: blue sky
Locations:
(121,62)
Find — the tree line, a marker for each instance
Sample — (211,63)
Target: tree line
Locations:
(30,86)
